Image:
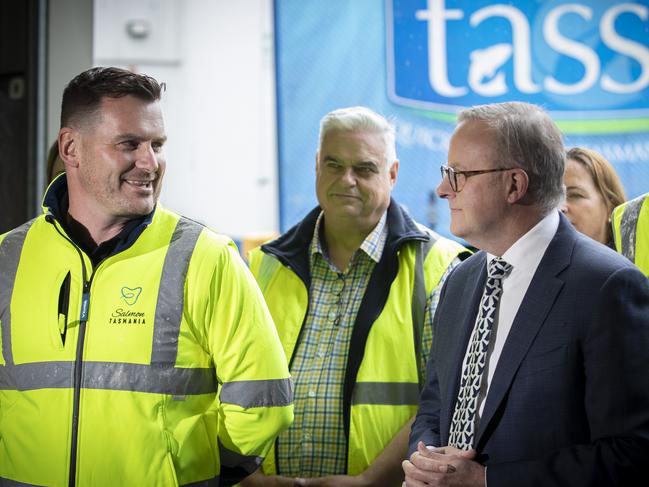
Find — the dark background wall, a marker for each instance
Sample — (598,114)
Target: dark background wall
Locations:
(19,36)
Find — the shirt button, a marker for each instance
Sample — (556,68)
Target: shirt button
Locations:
(333,315)
(311,393)
(307,436)
(321,354)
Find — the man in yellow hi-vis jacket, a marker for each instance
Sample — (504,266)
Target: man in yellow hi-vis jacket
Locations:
(136,349)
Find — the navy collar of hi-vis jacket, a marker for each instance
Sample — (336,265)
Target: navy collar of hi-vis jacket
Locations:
(55,204)
(292,249)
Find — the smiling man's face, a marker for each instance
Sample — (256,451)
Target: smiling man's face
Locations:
(353,179)
(121,161)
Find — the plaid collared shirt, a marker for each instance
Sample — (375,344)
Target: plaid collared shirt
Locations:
(315,444)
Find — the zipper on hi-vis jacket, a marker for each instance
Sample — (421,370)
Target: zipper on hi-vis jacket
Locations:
(78,369)
(78,361)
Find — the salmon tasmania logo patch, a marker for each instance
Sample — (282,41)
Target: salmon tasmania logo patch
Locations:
(131,295)
(126,316)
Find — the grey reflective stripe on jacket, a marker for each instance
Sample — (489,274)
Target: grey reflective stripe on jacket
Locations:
(629,227)
(258,393)
(10,250)
(213,482)
(115,376)
(14,483)
(386,393)
(418,309)
(171,296)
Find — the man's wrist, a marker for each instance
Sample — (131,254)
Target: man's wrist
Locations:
(369,478)
(363,480)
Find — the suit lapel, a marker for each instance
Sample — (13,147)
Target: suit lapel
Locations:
(531,315)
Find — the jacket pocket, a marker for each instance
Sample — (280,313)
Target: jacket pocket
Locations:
(169,478)
(538,361)
(59,311)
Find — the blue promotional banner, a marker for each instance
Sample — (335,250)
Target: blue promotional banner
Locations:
(419,61)
(576,60)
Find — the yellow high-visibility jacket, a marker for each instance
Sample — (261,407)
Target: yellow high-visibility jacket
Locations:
(384,367)
(631,231)
(158,367)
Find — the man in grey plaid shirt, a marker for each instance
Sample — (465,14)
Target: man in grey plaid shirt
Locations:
(352,289)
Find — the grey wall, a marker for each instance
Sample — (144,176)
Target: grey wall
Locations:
(69,50)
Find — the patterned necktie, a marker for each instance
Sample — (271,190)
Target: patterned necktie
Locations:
(464,417)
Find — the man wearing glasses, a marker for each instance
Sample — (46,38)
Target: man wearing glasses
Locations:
(537,374)
(352,289)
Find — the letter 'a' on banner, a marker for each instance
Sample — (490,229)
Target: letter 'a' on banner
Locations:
(420,61)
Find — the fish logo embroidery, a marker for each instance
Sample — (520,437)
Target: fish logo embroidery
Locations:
(131,295)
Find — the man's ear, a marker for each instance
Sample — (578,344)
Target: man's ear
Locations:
(518,184)
(394,172)
(69,142)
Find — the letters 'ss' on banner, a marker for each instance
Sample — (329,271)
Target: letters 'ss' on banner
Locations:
(420,61)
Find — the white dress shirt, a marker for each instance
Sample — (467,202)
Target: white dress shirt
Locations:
(524,256)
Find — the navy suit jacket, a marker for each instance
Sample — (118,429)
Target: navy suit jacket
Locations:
(569,401)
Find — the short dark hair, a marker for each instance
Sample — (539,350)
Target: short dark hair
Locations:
(82,96)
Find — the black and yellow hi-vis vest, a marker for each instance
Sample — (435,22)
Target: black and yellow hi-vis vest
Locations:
(384,367)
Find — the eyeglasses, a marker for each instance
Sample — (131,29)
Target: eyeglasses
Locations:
(457,179)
